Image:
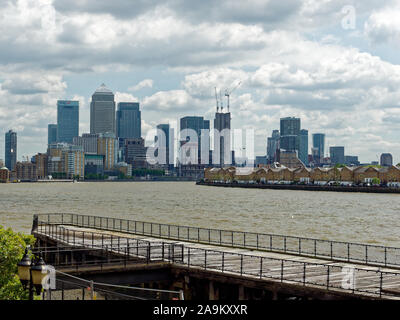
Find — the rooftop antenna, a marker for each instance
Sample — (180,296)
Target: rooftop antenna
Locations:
(216,98)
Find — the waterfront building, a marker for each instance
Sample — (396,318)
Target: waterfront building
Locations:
(26,171)
(337,155)
(303,146)
(41,161)
(67,120)
(94,164)
(196,144)
(273,146)
(107,145)
(135,153)
(4,175)
(128,120)
(10,149)
(88,141)
(289,159)
(51,133)
(318,147)
(386,159)
(261,160)
(102,111)
(124,168)
(222,139)
(66,161)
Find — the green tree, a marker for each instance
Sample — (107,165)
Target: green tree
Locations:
(12,247)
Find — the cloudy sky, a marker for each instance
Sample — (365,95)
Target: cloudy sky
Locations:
(334,63)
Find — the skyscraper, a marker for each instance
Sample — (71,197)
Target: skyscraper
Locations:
(102,111)
(88,141)
(290,131)
(337,155)
(67,120)
(273,146)
(51,133)
(197,124)
(11,149)
(303,146)
(167,143)
(222,143)
(386,159)
(319,146)
(128,120)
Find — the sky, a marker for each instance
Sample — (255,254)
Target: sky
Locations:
(333,63)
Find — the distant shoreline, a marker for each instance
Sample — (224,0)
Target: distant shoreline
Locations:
(303,187)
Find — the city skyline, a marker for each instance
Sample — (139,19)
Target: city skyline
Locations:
(336,67)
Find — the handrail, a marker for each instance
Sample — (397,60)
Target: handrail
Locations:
(318,248)
(283,270)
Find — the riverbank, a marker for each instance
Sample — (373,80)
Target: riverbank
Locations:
(303,187)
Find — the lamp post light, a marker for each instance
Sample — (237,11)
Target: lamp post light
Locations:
(31,274)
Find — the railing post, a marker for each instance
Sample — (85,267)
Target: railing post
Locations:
(299,245)
(315,247)
(270,242)
(331,250)
(380,284)
(102,240)
(257,240)
(348,251)
(209,236)
(220,237)
(223,261)
(244,239)
(281,270)
(205,259)
(304,274)
(198,234)
(385,256)
(189,257)
(162,251)
(284,244)
(241,264)
(232,238)
(327,280)
(148,252)
(159,229)
(261,266)
(366,254)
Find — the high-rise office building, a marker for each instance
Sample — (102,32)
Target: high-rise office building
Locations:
(51,133)
(88,141)
(337,155)
(102,111)
(222,123)
(128,120)
(303,146)
(67,120)
(319,146)
(289,134)
(135,152)
(273,146)
(386,159)
(202,142)
(11,149)
(165,139)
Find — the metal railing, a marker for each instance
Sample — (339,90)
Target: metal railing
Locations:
(317,248)
(374,283)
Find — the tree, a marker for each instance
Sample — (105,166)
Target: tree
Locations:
(12,247)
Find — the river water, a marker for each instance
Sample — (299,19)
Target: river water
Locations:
(353,217)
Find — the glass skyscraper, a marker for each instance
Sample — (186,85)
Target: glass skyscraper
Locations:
(67,120)
(128,120)
(303,146)
(11,149)
(222,121)
(196,124)
(319,146)
(337,155)
(102,111)
(51,133)
(166,142)
(290,131)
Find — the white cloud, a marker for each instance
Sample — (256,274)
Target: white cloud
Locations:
(146,83)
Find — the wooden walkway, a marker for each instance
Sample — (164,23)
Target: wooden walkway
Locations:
(340,277)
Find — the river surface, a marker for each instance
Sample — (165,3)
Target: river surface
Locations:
(353,217)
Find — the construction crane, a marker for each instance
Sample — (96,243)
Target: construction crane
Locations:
(216,98)
(228,92)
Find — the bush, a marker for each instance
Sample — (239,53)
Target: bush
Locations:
(12,248)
